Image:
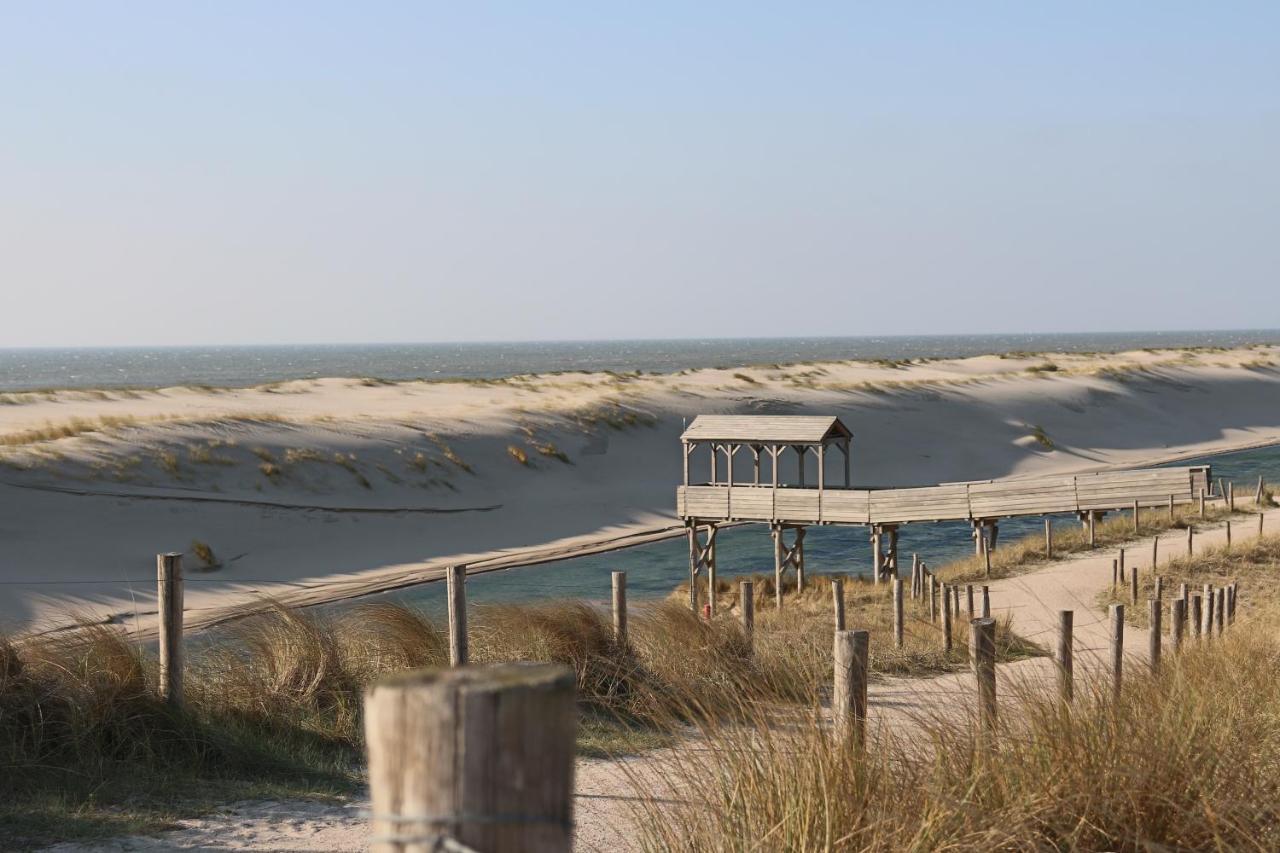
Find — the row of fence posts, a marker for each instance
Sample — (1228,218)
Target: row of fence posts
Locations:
(525,712)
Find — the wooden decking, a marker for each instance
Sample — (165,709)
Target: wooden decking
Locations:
(990,499)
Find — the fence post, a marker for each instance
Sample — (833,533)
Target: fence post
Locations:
(1170,509)
(1206,629)
(482,756)
(1133,586)
(1190,540)
(747,598)
(946,621)
(1228,534)
(456,580)
(1122,576)
(1260,517)
(1201,495)
(1178,616)
(1093,529)
(968,591)
(1220,604)
(1155,552)
(986,555)
(169,608)
(1115,573)
(1153,635)
(837,602)
(1257,498)
(1117,647)
(986,602)
(933,599)
(1048,539)
(1159,590)
(897,613)
(1136,525)
(915,576)
(982,653)
(1231,602)
(620,608)
(849,685)
(1064,655)
(1195,616)
(1231,496)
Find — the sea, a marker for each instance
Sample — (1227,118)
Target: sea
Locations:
(239,366)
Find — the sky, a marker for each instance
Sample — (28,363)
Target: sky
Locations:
(223,173)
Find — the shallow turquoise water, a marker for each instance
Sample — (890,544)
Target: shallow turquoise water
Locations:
(654,569)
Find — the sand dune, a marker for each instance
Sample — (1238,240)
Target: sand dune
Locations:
(315,490)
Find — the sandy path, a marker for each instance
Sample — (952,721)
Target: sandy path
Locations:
(605,794)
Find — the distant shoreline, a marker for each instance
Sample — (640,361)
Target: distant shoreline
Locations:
(43,371)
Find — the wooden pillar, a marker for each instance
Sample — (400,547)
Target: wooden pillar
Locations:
(877,568)
(1048,538)
(777,565)
(710,562)
(620,608)
(837,602)
(747,601)
(822,464)
(169,598)
(1195,616)
(849,687)
(755,464)
(986,602)
(1206,626)
(800,450)
(687,450)
(456,583)
(1153,634)
(1228,534)
(933,599)
(1221,604)
(715,461)
(1201,490)
(1121,558)
(483,756)
(1093,529)
(1231,496)
(946,620)
(1178,618)
(897,613)
(986,557)
(1117,647)
(982,654)
(1064,656)
(695,562)
(799,559)
(848,482)
(915,576)
(1136,525)
(968,589)
(1170,509)
(1133,586)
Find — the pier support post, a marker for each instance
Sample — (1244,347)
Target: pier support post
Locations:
(747,601)
(787,556)
(620,608)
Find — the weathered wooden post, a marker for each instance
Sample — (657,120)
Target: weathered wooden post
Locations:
(897,613)
(849,685)
(1136,525)
(933,599)
(1200,492)
(1117,647)
(1121,558)
(1206,629)
(1231,496)
(1190,540)
(1184,593)
(946,621)
(1170,510)
(456,582)
(915,576)
(1048,539)
(1063,657)
(986,602)
(1133,586)
(1153,635)
(986,555)
(1258,496)
(1220,603)
(1228,534)
(1159,590)
(1260,517)
(620,608)
(1178,615)
(968,591)
(837,602)
(1155,552)
(1195,616)
(877,557)
(1115,573)
(169,596)
(955,595)
(982,654)
(480,756)
(747,598)
(1093,529)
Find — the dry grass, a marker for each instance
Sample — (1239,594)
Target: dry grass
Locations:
(1185,761)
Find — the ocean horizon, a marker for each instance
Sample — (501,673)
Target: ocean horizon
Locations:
(29,369)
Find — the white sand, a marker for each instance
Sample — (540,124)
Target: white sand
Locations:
(252,472)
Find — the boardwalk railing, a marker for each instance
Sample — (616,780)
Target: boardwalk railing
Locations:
(1107,490)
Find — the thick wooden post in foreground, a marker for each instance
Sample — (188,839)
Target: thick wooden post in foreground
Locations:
(1221,604)
(1178,616)
(482,756)
(849,687)
(747,601)
(982,655)
(456,580)
(837,602)
(1228,534)
(169,603)
(1063,656)
(1117,647)
(897,613)
(620,607)
(1153,633)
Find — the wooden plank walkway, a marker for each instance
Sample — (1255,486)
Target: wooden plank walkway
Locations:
(990,499)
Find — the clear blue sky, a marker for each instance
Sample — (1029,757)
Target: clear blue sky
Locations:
(274,172)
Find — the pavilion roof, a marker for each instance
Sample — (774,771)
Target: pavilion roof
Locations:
(766,429)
